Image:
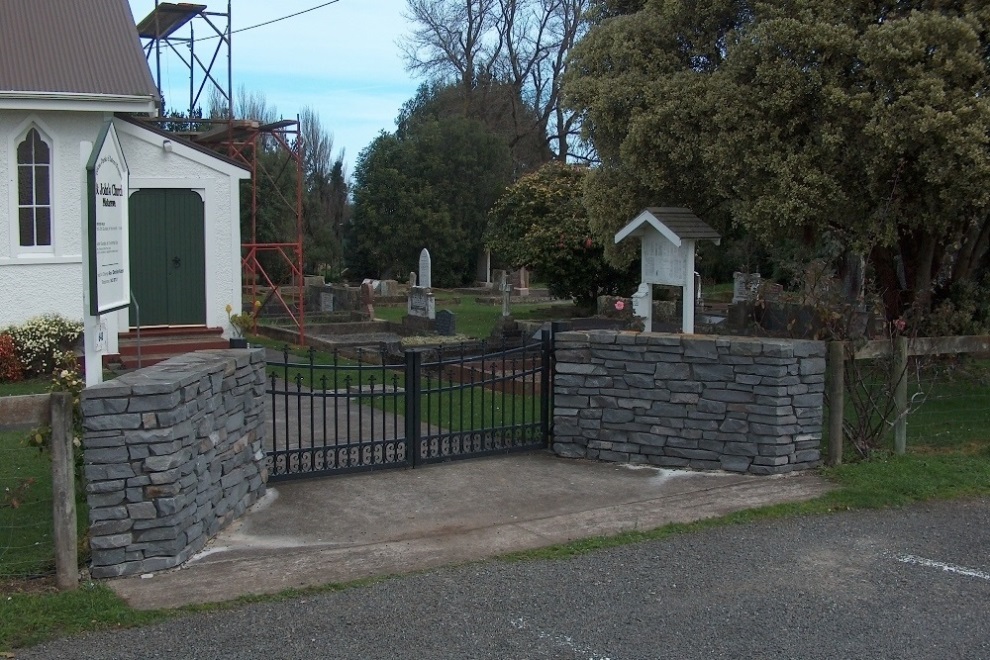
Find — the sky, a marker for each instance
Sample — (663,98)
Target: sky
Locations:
(340,60)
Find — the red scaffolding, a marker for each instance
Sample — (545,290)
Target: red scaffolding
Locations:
(243,140)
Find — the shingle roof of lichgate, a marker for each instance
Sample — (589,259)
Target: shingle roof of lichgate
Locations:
(684,223)
(84,47)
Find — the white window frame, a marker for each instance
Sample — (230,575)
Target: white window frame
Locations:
(15,189)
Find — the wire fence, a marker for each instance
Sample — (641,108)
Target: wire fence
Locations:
(949,402)
(940,397)
(27,547)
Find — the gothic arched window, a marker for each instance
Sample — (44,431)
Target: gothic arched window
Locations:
(34,191)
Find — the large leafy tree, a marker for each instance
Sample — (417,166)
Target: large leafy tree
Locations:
(428,186)
(495,105)
(861,127)
(541,223)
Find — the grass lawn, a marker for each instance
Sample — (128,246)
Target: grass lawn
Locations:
(474,319)
(31,386)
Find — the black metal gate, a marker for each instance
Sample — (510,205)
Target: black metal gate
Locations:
(369,411)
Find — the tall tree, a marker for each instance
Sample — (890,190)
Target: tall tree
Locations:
(857,125)
(495,105)
(520,43)
(325,193)
(429,186)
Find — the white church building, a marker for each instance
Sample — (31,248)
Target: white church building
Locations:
(66,69)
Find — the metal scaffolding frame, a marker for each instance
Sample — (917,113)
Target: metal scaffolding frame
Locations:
(173,25)
(239,139)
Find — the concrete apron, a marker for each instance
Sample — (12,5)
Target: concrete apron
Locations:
(333,530)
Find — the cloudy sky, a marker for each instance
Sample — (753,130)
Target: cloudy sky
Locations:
(340,59)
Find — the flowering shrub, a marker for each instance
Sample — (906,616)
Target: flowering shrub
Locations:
(11,369)
(40,341)
(242,323)
(66,378)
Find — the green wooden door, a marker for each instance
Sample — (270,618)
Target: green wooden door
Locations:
(167,257)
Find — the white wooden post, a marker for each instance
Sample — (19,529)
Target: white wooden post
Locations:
(687,315)
(92,360)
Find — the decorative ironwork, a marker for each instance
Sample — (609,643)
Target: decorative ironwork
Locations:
(371,411)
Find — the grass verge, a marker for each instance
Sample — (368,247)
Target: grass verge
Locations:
(30,618)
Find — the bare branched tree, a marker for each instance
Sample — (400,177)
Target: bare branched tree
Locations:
(521,43)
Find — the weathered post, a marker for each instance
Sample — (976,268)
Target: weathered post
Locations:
(64,493)
(900,394)
(836,393)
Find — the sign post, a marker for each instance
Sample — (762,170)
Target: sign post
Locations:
(106,276)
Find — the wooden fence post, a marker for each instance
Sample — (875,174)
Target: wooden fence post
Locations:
(836,403)
(64,493)
(900,394)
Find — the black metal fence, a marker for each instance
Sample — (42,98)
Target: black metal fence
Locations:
(375,410)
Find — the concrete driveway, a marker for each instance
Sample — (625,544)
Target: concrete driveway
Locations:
(340,529)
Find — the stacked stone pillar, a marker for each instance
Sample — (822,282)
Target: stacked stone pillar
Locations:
(173,453)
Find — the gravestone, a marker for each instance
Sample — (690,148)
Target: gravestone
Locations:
(412,279)
(446,323)
(368,300)
(326,301)
(425,269)
(421,303)
(520,280)
(388,288)
(745,286)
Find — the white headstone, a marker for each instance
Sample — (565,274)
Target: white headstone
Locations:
(425,269)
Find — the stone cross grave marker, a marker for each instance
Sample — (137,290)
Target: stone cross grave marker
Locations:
(506,288)
(425,269)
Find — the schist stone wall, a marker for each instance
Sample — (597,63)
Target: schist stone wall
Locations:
(173,453)
(733,403)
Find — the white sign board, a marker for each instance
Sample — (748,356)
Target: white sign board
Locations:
(662,261)
(107,176)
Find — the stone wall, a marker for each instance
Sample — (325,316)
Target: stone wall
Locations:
(173,453)
(734,403)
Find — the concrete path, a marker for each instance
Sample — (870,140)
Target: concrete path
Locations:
(321,531)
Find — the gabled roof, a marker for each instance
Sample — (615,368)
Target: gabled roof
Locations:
(675,224)
(74,48)
(151,129)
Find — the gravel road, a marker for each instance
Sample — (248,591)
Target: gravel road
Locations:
(904,583)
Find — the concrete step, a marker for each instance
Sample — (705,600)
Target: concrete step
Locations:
(158,344)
